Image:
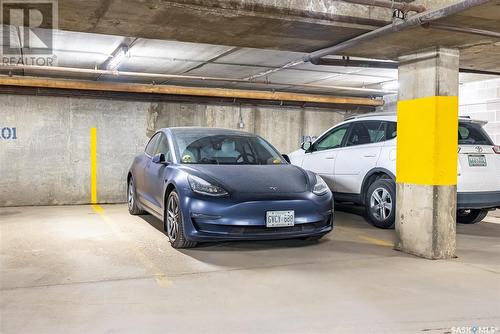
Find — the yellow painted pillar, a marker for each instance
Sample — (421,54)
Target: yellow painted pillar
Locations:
(427,153)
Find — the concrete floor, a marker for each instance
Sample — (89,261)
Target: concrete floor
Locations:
(79,269)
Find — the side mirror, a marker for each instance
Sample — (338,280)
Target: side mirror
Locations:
(306,146)
(160,159)
(287,158)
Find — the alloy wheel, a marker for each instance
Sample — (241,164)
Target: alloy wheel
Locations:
(381,204)
(131,195)
(173,217)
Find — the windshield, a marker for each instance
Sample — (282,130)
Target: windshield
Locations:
(472,134)
(220,149)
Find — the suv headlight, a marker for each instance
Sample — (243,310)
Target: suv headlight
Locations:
(200,186)
(320,188)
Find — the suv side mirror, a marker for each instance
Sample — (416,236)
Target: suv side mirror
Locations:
(287,158)
(160,159)
(306,146)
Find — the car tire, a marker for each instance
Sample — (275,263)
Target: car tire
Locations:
(174,224)
(133,205)
(380,203)
(472,216)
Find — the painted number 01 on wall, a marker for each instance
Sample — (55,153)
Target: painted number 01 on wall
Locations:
(8,133)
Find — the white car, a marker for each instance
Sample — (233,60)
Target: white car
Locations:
(357,159)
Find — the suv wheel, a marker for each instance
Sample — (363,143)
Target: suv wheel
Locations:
(380,203)
(471,216)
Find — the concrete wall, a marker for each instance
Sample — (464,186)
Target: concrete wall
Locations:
(481,100)
(49,161)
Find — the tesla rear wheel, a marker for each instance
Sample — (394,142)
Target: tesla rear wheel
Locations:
(133,207)
(380,203)
(173,223)
(471,216)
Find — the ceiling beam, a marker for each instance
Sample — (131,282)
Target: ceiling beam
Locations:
(160,78)
(188,91)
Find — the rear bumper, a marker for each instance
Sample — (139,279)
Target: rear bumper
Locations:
(218,220)
(478,200)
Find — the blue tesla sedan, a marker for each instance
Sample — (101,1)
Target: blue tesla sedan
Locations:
(209,184)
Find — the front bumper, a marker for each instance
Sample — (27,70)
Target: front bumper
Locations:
(478,200)
(209,219)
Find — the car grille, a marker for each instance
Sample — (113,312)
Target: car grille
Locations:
(259,230)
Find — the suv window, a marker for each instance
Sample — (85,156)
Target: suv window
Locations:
(367,132)
(472,134)
(333,139)
(150,148)
(391,130)
(164,148)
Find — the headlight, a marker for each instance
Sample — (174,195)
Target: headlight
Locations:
(200,186)
(320,188)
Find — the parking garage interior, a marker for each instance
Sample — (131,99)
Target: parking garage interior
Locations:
(84,85)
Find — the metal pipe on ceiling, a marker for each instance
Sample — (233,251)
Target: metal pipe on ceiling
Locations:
(402,6)
(414,21)
(160,76)
(474,71)
(356,63)
(273,70)
(466,30)
(383,64)
(186,91)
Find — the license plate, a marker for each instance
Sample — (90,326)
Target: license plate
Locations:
(280,218)
(477,161)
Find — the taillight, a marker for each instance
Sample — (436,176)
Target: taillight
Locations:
(496,149)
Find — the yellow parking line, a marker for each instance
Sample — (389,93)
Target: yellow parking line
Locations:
(93,165)
(97,208)
(159,276)
(375,241)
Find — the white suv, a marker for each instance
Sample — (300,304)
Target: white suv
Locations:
(357,159)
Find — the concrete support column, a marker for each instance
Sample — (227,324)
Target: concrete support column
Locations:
(427,153)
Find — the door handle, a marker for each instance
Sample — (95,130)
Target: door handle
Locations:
(369,156)
(330,158)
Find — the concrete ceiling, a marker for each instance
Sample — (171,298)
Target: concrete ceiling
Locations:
(250,37)
(90,51)
(295,25)
(476,52)
(292,25)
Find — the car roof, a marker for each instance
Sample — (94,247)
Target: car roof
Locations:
(392,116)
(374,115)
(206,130)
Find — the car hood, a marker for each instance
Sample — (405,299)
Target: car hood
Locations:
(256,178)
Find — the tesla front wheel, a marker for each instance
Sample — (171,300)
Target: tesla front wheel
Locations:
(380,203)
(471,216)
(133,207)
(173,223)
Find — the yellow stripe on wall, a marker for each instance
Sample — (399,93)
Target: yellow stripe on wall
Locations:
(427,142)
(93,165)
